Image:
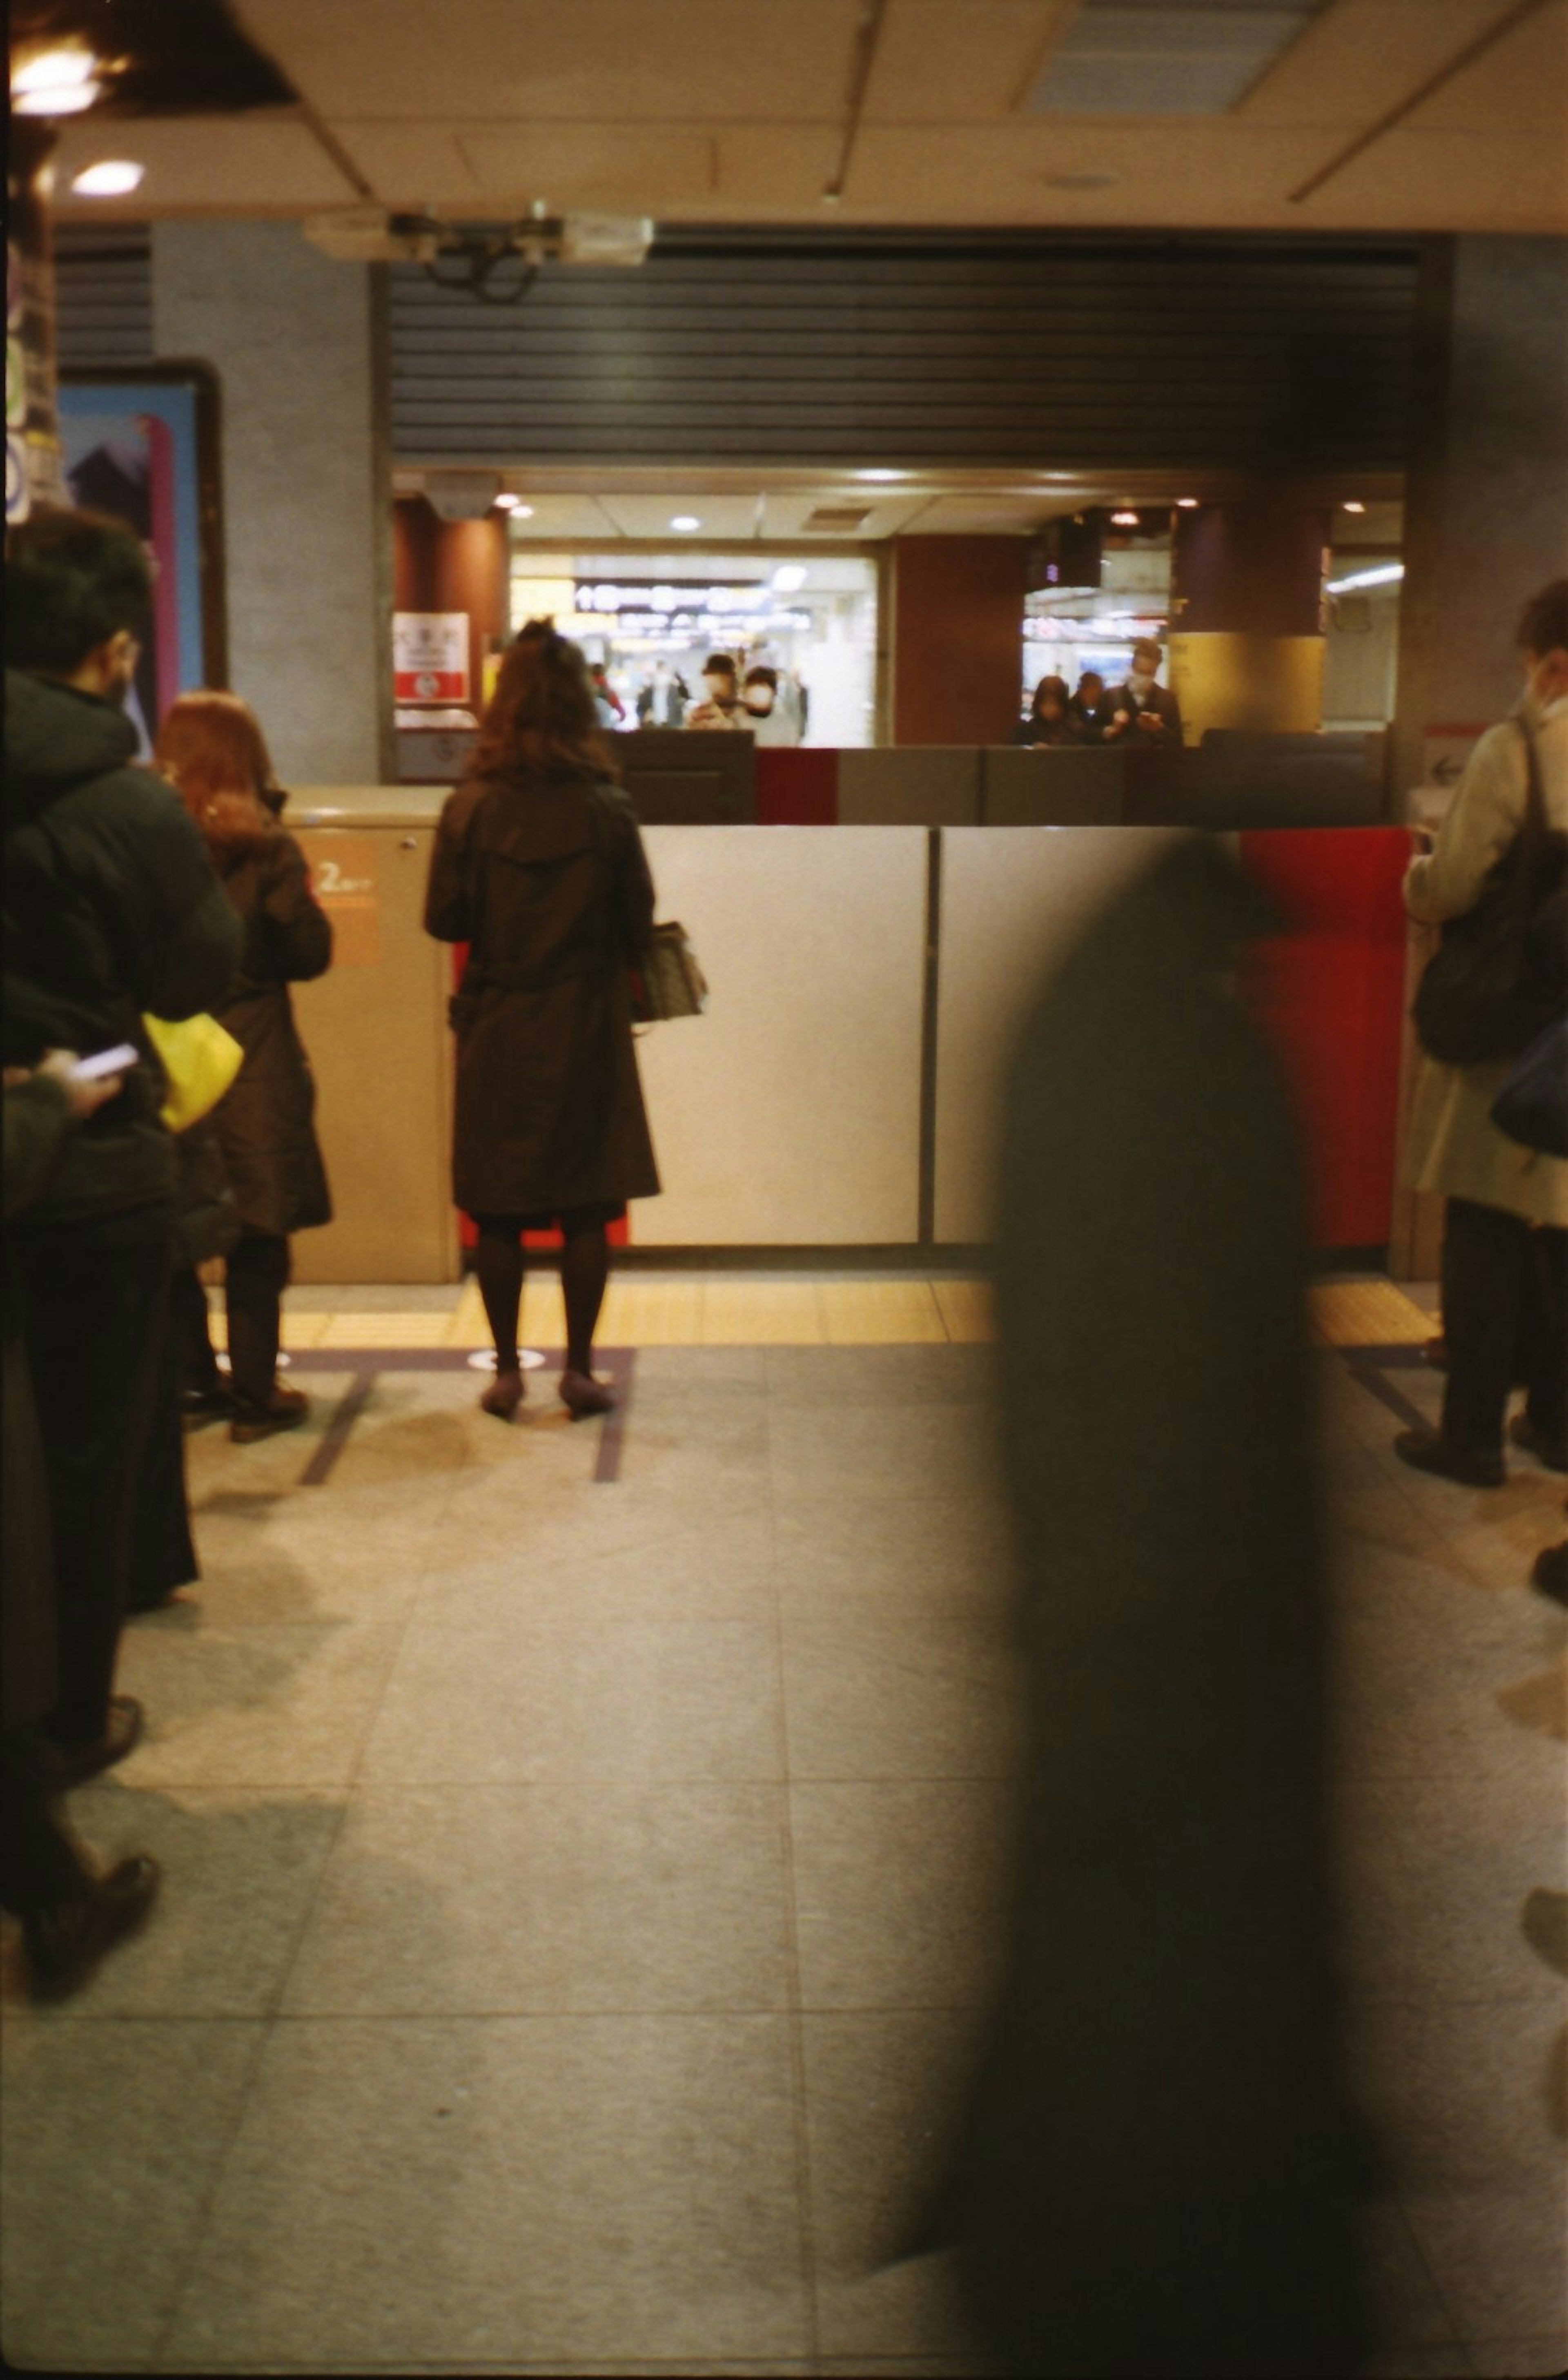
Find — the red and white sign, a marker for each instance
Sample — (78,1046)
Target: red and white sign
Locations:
(430,656)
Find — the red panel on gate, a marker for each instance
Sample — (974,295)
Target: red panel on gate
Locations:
(796,788)
(618,1233)
(1329,991)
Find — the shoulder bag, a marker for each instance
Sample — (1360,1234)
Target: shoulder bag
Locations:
(665,978)
(1500,972)
(200,1062)
(1532,1105)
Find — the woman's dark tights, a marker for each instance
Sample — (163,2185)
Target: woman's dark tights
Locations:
(584,1267)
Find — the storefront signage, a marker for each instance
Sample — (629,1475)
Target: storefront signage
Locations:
(430,656)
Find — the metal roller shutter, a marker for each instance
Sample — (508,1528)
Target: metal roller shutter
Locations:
(102,297)
(800,347)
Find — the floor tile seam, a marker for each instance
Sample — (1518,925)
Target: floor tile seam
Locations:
(206,2211)
(805,2211)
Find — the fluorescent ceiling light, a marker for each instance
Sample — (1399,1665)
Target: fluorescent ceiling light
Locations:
(878,475)
(521,512)
(1187,504)
(1352,506)
(507,503)
(789,576)
(1124,520)
(685,521)
(1387,573)
(112,178)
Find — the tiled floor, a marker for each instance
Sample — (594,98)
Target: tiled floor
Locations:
(578,1886)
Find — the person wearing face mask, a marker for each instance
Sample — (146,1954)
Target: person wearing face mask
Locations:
(721,704)
(112,910)
(765,714)
(1141,710)
(1505,1241)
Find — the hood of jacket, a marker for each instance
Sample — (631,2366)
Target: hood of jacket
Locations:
(56,738)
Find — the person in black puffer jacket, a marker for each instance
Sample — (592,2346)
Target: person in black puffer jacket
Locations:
(111,909)
(212,747)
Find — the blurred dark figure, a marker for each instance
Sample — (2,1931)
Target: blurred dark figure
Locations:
(1084,705)
(1157,2169)
(69,1915)
(540,869)
(1051,719)
(112,909)
(212,747)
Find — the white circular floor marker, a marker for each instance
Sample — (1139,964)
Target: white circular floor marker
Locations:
(483,1360)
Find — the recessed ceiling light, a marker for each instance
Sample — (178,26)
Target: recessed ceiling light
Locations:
(685,521)
(112,178)
(1353,507)
(1124,520)
(55,82)
(1187,504)
(878,475)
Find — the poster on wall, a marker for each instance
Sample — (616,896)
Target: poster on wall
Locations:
(144,449)
(430,656)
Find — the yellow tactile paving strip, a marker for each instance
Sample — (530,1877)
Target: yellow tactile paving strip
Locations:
(711,1310)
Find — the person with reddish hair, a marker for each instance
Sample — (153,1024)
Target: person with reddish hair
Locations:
(211,749)
(540,869)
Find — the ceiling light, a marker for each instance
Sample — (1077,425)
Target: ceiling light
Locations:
(1187,504)
(1387,573)
(787,578)
(507,503)
(112,178)
(55,82)
(1124,520)
(1353,507)
(685,521)
(878,475)
(521,512)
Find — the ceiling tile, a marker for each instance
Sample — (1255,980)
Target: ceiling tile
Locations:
(1521,81)
(1409,178)
(1186,174)
(724,517)
(1362,57)
(246,166)
(596,61)
(960,61)
(645,170)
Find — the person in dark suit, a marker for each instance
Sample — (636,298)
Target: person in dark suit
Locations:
(1157,2168)
(1141,710)
(540,869)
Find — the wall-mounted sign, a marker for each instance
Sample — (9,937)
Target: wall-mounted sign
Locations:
(430,656)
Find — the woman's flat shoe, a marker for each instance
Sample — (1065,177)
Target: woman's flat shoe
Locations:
(584,1397)
(66,1942)
(504,1395)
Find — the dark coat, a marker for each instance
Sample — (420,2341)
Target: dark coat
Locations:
(38,1126)
(1160,700)
(1157,2168)
(546,880)
(111,908)
(264,1125)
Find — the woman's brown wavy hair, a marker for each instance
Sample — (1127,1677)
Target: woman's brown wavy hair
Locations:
(543,719)
(212,743)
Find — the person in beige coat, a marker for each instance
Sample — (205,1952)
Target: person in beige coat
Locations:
(1506,1247)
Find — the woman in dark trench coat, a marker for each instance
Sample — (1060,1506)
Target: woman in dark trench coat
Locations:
(540,869)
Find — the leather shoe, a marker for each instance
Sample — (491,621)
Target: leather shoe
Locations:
(584,1397)
(1551,1452)
(65,1943)
(1425,1451)
(73,1764)
(1549,1575)
(284,1409)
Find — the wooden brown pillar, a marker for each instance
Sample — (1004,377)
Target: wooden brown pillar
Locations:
(957,639)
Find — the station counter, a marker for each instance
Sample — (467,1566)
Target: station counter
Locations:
(866,980)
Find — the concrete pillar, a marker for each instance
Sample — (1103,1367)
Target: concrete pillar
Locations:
(1246,617)
(957,639)
(1485,507)
(298,345)
(32,429)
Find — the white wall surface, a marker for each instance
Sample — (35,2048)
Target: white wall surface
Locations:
(306,497)
(790,1113)
(1013,901)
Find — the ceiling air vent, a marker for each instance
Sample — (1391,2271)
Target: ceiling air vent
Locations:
(1165,57)
(842,518)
